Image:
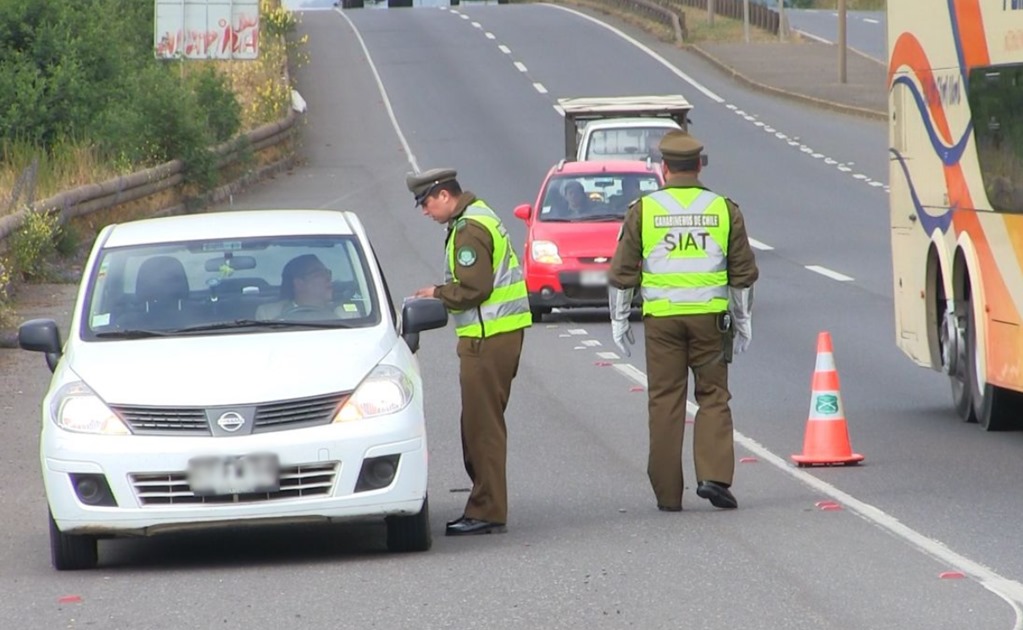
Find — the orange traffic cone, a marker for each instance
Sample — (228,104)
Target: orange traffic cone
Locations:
(827,438)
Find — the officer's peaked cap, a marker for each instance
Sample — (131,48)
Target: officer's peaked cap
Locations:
(421,184)
(679,145)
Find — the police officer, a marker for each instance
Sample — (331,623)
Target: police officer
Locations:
(486,295)
(686,249)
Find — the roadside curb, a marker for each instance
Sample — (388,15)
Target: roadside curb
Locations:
(841,107)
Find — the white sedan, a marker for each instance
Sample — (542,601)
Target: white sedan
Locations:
(228,368)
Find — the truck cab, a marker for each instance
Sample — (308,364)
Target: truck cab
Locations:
(621,128)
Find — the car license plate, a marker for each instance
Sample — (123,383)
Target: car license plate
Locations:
(593,278)
(237,474)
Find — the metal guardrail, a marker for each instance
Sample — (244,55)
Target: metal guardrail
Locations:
(761,16)
(125,189)
(672,19)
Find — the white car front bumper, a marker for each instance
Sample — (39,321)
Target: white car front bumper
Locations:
(320,468)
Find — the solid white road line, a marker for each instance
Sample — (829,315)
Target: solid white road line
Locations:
(1009,590)
(383,94)
(659,59)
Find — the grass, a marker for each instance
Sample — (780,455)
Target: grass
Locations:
(259,86)
(851,5)
(724,30)
(68,166)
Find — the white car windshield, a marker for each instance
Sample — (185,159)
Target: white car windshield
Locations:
(217,286)
(601,197)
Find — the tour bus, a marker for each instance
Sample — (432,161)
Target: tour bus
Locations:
(955,98)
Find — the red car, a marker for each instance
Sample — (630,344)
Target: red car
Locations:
(572,230)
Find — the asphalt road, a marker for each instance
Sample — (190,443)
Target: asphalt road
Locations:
(865,30)
(586,546)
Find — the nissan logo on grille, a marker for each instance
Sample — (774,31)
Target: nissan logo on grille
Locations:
(231,421)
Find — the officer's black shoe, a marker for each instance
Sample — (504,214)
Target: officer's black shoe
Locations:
(457,520)
(665,508)
(718,494)
(470,526)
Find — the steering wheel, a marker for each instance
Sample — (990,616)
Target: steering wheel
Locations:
(308,313)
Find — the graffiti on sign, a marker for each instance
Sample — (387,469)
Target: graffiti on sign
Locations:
(207,29)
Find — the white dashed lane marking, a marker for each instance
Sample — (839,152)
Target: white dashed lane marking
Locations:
(790,141)
(834,275)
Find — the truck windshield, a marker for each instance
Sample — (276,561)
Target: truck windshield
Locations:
(626,143)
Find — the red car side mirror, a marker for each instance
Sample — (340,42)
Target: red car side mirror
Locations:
(523,211)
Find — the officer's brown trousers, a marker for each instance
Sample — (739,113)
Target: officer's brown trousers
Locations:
(486,370)
(673,346)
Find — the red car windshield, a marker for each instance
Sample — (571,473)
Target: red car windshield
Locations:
(598,197)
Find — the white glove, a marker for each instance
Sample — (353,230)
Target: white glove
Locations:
(620,303)
(740,305)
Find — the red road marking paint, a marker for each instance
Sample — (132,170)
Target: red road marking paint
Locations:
(748,460)
(70,599)
(636,388)
(602,363)
(829,506)
(951,575)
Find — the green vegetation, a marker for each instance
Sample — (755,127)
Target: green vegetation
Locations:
(83,98)
(85,73)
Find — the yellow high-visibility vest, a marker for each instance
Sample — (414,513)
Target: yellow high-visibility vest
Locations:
(685,252)
(507,308)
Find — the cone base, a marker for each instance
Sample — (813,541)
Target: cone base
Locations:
(847,460)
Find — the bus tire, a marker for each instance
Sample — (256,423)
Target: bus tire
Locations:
(991,405)
(953,340)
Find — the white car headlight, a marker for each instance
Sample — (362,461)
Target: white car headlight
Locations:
(385,391)
(545,252)
(77,408)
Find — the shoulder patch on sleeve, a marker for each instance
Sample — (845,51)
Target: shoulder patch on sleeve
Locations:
(466,256)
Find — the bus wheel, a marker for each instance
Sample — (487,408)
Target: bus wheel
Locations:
(991,406)
(953,360)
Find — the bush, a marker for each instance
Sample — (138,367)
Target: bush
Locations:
(33,244)
(85,72)
(215,99)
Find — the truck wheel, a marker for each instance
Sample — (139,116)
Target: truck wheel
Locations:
(72,553)
(410,533)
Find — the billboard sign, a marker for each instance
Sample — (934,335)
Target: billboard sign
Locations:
(207,29)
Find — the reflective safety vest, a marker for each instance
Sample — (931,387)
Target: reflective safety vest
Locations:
(507,308)
(685,252)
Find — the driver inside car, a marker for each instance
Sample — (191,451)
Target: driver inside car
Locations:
(307,293)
